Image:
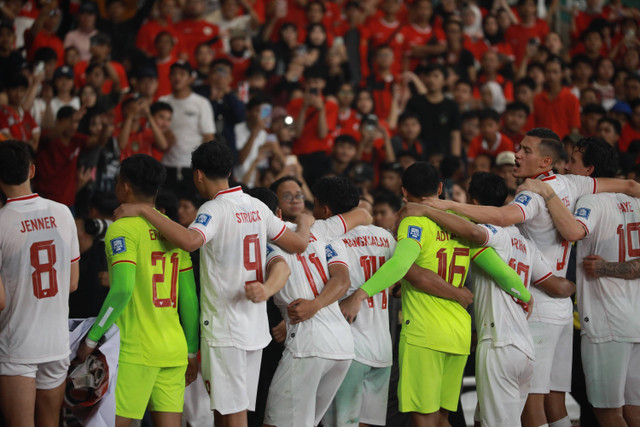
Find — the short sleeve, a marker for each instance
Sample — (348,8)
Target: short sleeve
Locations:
(582,185)
(204,222)
(529,203)
(273,252)
(120,243)
(275,226)
(498,238)
(336,253)
(74,249)
(330,228)
(207,124)
(410,228)
(582,214)
(540,269)
(185,261)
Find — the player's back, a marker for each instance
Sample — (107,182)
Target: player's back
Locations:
(608,305)
(366,249)
(235,228)
(539,227)
(150,329)
(38,243)
(327,333)
(429,321)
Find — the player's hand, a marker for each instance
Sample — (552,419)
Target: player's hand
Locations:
(535,186)
(279,332)
(305,220)
(464,296)
(436,203)
(592,265)
(302,309)
(412,209)
(83,352)
(350,306)
(127,210)
(255,292)
(192,371)
(529,307)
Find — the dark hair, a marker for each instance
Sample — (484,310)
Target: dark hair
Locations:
(518,106)
(345,138)
(464,82)
(144,173)
(408,114)
(449,165)
(421,179)
(581,58)
(266,196)
(15,81)
(549,142)
(437,67)
(594,109)
(387,197)
(490,114)
(338,193)
(469,115)
(557,60)
(168,201)
(526,81)
(93,66)
(316,72)
(163,34)
(65,112)
(598,153)
(617,127)
(221,61)
(257,100)
(45,54)
(214,159)
(392,167)
(15,159)
(315,2)
(488,189)
(634,104)
(276,184)
(160,106)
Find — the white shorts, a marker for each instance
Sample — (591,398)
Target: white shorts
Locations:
(48,375)
(231,378)
(362,397)
(611,372)
(553,346)
(302,389)
(503,377)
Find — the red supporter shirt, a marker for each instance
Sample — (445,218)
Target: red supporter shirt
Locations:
(382,32)
(140,142)
(560,114)
(146,39)
(309,142)
(348,124)
(507,86)
(164,82)
(17,123)
(519,35)
(381,92)
(80,76)
(412,35)
(479,146)
(43,39)
(196,31)
(583,20)
(56,166)
(627,136)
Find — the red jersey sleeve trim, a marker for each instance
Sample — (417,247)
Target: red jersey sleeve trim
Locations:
(524,215)
(595,185)
(586,229)
(545,277)
(204,238)
(284,228)
(344,223)
(186,269)
(124,260)
(479,252)
(486,240)
(338,262)
(274,258)
(76,259)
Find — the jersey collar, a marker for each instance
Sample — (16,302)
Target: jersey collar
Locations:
(23,198)
(545,176)
(228,191)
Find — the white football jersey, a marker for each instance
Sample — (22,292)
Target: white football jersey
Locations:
(38,243)
(327,333)
(609,306)
(364,249)
(235,228)
(498,316)
(539,227)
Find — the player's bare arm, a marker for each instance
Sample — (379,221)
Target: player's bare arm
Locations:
(74,276)
(431,283)
(185,239)
(278,273)
(355,217)
(337,285)
(557,287)
(503,216)
(613,185)
(297,241)
(565,223)
(3,300)
(595,266)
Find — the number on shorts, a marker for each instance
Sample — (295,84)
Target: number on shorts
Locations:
(44,288)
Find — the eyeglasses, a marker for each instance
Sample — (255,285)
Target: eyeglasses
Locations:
(288,197)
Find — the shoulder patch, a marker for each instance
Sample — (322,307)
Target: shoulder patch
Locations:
(491,227)
(330,253)
(203,219)
(269,249)
(523,199)
(415,233)
(583,213)
(118,246)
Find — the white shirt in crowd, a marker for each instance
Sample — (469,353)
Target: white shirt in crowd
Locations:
(243,133)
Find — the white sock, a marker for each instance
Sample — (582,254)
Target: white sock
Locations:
(564,422)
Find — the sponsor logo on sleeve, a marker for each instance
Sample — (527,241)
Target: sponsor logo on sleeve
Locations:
(118,246)
(492,228)
(203,219)
(583,213)
(414,233)
(523,199)
(330,252)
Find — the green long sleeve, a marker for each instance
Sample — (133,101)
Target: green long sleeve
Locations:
(188,309)
(505,276)
(407,251)
(123,277)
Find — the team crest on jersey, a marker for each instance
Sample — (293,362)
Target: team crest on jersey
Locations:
(492,228)
(203,219)
(523,199)
(330,252)
(583,213)
(414,233)
(118,246)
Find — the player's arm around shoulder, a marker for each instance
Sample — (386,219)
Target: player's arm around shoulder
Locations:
(186,239)
(502,216)
(296,241)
